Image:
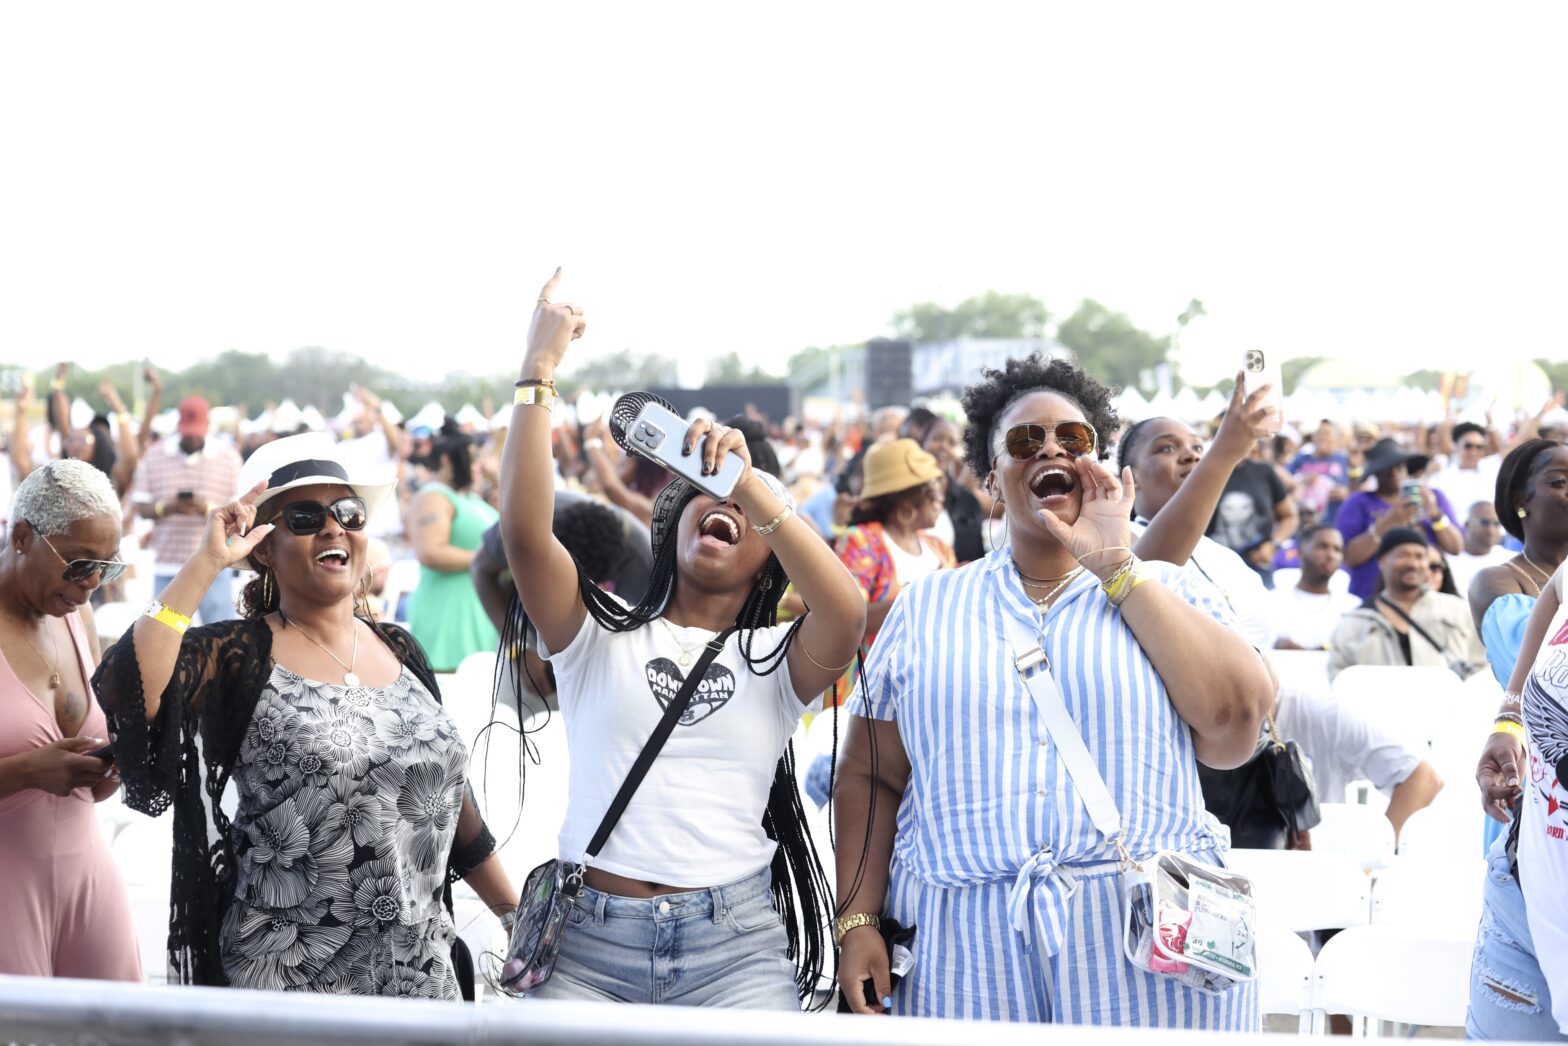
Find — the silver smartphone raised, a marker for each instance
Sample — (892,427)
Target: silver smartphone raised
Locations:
(1263,368)
(658,433)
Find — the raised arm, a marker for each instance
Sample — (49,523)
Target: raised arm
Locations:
(827,641)
(21,441)
(1218,684)
(128,450)
(1174,531)
(604,469)
(542,569)
(144,435)
(229,539)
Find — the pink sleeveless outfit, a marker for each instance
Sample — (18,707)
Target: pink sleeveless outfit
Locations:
(64,910)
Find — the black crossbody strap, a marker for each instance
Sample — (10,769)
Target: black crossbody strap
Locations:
(1396,608)
(661,734)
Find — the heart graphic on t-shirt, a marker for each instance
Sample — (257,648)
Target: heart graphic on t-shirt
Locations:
(713,693)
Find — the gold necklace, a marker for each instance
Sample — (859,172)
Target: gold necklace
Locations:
(1538,570)
(54,672)
(685,657)
(1041,582)
(1065,580)
(350,678)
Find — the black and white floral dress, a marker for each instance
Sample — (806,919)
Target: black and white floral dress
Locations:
(349,800)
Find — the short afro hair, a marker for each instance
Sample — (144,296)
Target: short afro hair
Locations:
(594,535)
(987,400)
(1463,429)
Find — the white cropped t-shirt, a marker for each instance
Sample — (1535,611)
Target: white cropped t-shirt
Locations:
(697,818)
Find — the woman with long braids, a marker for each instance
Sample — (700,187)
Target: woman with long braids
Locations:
(708,887)
(979,837)
(353,816)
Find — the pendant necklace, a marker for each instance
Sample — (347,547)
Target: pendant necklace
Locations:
(349,676)
(54,672)
(687,652)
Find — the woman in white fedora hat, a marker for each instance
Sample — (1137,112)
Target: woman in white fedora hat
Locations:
(353,813)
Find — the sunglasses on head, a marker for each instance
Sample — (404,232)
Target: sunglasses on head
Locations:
(1075,437)
(77,570)
(308,517)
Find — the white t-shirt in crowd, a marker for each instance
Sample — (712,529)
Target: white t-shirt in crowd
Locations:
(697,818)
(1307,619)
(1341,744)
(1465,487)
(1543,823)
(908,567)
(1238,583)
(1465,566)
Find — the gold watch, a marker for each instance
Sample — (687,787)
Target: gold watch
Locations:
(845,923)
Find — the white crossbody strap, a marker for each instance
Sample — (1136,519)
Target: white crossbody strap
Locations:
(1034,668)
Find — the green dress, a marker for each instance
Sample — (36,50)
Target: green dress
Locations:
(444,613)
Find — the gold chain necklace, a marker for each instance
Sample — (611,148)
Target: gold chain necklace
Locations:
(1066,580)
(350,678)
(1524,556)
(54,671)
(687,652)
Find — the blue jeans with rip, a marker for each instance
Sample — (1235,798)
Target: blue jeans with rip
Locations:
(1508,993)
(723,946)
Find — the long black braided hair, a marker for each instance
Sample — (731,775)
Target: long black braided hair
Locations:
(802,893)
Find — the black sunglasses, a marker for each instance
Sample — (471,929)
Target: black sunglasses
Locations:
(77,570)
(1075,437)
(308,517)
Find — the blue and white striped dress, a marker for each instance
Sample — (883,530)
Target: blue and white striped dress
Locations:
(1015,894)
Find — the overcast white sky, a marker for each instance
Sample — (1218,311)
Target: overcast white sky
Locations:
(396,180)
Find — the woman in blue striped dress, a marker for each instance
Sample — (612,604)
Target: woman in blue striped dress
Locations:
(956,813)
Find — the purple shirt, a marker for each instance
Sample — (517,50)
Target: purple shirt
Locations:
(1358,513)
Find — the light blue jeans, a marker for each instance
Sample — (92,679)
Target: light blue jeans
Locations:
(724,946)
(1505,961)
(217,603)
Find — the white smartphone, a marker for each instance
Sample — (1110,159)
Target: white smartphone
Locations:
(1263,367)
(658,433)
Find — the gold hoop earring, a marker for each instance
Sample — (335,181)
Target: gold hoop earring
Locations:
(364,598)
(990,524)
(266,588)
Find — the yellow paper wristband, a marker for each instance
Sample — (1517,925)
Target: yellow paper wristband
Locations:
(536,396)
(1508,726)
(169,616)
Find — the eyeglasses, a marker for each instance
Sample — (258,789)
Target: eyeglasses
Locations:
(78,570)
(1075,437)
(308,517)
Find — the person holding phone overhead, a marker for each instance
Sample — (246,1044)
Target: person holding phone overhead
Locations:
(64,911)
(701,892)
(353,815)
(1369,514)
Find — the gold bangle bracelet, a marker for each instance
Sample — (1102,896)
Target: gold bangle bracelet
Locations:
(802,644)
(535,396)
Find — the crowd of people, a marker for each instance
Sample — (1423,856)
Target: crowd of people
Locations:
(893,570)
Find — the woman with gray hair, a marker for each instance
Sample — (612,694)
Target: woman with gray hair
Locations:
(64,907)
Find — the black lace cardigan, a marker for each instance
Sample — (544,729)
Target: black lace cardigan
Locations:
(184,757)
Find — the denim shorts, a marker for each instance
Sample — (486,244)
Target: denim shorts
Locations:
(723,946)
(1505,961)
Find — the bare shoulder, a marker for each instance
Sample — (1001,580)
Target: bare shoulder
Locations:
(1490,584)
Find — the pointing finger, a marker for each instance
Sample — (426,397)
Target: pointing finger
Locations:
(550,284)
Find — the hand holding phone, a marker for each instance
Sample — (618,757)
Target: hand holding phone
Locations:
(646,425)
(1263,368)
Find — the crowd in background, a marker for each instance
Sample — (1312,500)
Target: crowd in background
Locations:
(1379,543)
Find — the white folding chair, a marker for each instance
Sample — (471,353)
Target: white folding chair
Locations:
(1414,705)
(1393,973)
(1303,890)
(1301,669)
(113,620)
(1361,833)
(525,834)
(1448,830)
(1284,974)
(402,578)
(1442,895)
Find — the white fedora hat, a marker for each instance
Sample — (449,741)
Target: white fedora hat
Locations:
(309,459)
